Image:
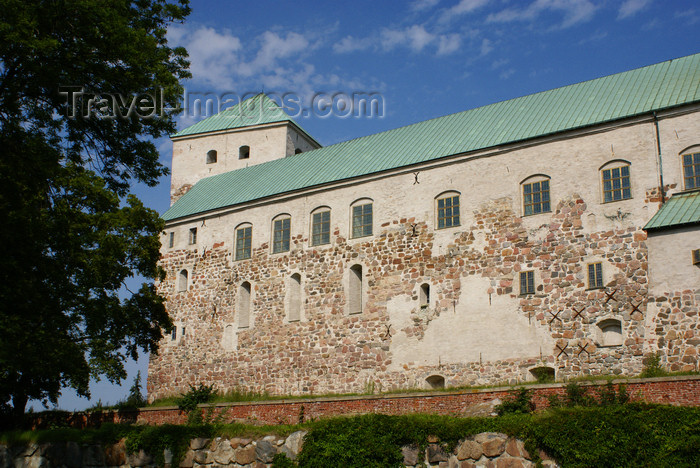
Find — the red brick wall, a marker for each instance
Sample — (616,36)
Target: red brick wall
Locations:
(683,391)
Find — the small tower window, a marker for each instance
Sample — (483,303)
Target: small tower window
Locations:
(355,290)
(244,152)
(244,305)
(297,151)
(294,292)
(182,281)
(193,236)
(173,334)
(211,157)
(696,257)
(171,239)
(424,295)
(610,332)
(595,275)
(527,282)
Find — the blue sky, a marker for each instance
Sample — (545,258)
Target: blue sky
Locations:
(425,58)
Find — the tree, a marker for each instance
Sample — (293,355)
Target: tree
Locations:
(84,87)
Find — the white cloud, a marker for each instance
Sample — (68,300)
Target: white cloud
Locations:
(574,11)
(415,37)
(506,74)
(499,63)
(467,6)
(449,44)
(351,44)
(632,7)
(486,47)
(420,5)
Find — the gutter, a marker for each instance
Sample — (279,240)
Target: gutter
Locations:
(661,166)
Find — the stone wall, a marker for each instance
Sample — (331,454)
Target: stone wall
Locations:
(478,329)
(486,449)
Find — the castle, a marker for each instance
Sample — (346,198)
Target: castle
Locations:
(555,234)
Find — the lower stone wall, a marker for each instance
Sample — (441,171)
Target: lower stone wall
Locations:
(487,449)
(682,390)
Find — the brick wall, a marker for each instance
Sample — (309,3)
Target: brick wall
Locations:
(683,391)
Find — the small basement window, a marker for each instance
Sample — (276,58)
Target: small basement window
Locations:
(610,332)
(244,152)
(436,381)
(543,374)
(211,157)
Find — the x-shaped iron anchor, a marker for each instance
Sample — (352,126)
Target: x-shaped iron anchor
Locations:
(562,350)
(555,317)
(582,349)
(611,296)
(635,308)
(387,335)
(577,313)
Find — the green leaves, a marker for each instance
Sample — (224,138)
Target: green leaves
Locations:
(74,239)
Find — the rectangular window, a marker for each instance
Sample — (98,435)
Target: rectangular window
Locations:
(448,212)
(527,282)
(193,236)
(244,237)
(696,257)
(616,184)
(536,197)
(321,228)
(691,170)
(171,240)
(595,275)
(362,220)
(280,240)
(173,334)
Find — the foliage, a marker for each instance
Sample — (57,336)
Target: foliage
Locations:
(135,398)
(154,439)
(543,374)
(652,366)
(196,396)
(281,461)
(74,235)
(577,395)
(520,402)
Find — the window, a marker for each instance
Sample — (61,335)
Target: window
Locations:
(244,152)
(610,333)
(211,157)
(173,334)
(294,294)
(696,257)
(298,151)
(436,381)
(244,305)
(424,296)
(595,275)
(448,211)
(244,237)
(171,239)
(616,182)
(355,290)
(362,220)
(280,235)
(182,281)
(691,171)
(527,282)
(193,236)
(321,228)
(536,197)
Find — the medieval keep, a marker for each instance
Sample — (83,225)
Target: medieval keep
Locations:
(555,233)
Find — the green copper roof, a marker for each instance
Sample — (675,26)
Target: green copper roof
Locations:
(681,209)
(257,110)
(664,85)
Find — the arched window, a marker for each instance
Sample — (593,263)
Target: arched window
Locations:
(615,180)
(244,152)
(182,281)
(281,229)
(355,290)
(211,156)
(294,297)
(362,218)
(447,210)
(228,339)
(543,374)
(610,332)
(321,226)
(424,295)
(244,241)
(691,168)
(244,305)
(535,191)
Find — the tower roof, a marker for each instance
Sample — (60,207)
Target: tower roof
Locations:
(641,91)
(257,110)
